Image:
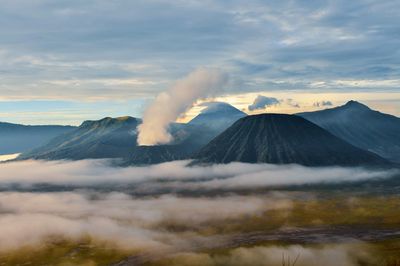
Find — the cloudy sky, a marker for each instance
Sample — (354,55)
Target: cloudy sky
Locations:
(66,61)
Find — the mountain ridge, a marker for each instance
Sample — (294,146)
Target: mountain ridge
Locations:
(361,126)
(104,138)
(117,138)
(217,116)
(16,138)
(282,139)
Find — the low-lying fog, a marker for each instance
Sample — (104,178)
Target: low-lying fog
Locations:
(175,175)
(73,205)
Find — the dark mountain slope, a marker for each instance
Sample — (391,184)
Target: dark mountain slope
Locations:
(117,138)
(282,139)
(15,138)
(362,127)
(105,138)
(188,139)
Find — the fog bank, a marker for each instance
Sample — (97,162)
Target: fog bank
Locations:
(177,174)
(29,218)
(164,222)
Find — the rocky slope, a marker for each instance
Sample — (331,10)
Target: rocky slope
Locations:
(283,139)
(359,125)
(105,138)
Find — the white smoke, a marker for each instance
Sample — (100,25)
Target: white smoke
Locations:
(168,105)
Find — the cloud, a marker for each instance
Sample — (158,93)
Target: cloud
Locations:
(19,230)
(262,102)
(174,176)
(29,218)
(147,211)
(146,226)
(117,51)
(161,221)
(292,103)
(169,105)
(332,41)
(322,103)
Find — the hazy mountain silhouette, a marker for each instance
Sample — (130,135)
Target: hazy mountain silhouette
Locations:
(117,138)
(268,138)
(190,137)
(217,116)
(359,125)
(283,139)
(16,138)
(105,138)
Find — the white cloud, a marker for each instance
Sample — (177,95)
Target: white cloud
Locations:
(141,222)
(135,223)
(322,103)
(177,174)
(262,102)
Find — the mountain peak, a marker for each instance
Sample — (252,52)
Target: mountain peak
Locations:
(361,126)
(217,114)
(355,104)
(219,107)
(106,121)
(282,139)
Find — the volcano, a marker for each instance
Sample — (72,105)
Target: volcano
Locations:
(283,139)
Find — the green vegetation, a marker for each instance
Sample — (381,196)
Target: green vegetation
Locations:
(382,253)
(365,211)
(63,252)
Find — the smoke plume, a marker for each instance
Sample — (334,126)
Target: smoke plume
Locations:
(168,105)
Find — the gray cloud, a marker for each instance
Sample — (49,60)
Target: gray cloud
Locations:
(261,102)
(29,218)
(322,103)
(142,223)
(292,103)
(72,49)
(175,175)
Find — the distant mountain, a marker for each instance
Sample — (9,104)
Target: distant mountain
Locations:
(282,139)
(16,138)
(217,116)
(117,138)
(105,138)
(190,137)
(359,125)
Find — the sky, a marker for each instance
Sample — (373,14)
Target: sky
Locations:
(62,62)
